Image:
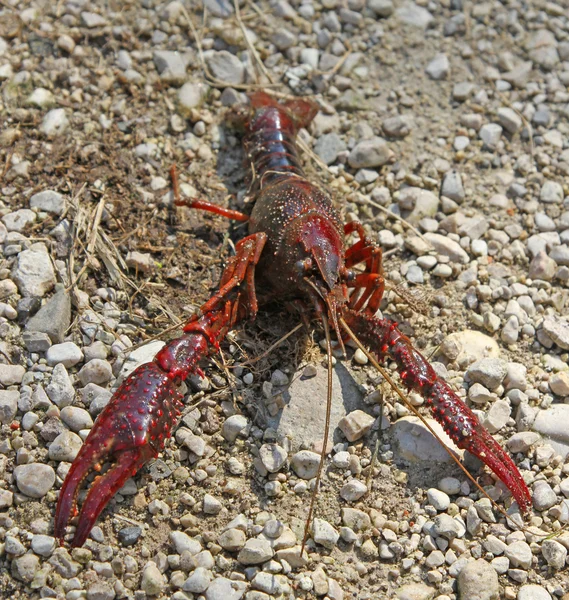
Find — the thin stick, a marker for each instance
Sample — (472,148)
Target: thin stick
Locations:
(326,432)
(252,48)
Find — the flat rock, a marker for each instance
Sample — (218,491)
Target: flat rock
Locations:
(33,271)
(53,318)
(415,443)
(48,201)
(552,424)
(478,579)
(303,415)
(370,153)
(447,247)
(416,16)
(415,591)
(417,203)
(558,330)
(469,342)
(35,479)
(226,67)
(171,65)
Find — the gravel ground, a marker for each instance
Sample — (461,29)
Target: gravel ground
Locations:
(443,128)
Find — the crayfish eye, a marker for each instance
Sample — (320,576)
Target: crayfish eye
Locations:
(349,275)
(305,266)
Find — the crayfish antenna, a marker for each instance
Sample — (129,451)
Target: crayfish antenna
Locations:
(326,432)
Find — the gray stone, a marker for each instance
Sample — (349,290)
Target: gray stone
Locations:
(370,153)
(19,220)
(34,479)
(452,187)
(415,443)
(411,14)
(54,123)
(171,66)
(24,568)
(551,192)
(324,534)
(490,134)
(438,499)
(305,464)
(554,553)
(232,539)
(542,267)
(225,589)
(445,526)
(328,146)
(522,441)
(96,371)
(353,490)
(226,67)
(152,582)
(519,75)
(273,457)
(44,545)
(182,542)
(233,426)
(490,372)
(479,580)
(509,119)
(382,8)
(11,374)
(398,126)
(191,96)
(439,67)
(447,247)
(533,591)
(303,415)
(48,201)
(66,353)
(60,389)
(8,405)
(558,330)
(92,20)
(65,447)
(211,505)
(53,318)
(283,39)
(519,554)
(33,271)
(543,496)
(198,581)
(255,552)
(421,203)
(462,91)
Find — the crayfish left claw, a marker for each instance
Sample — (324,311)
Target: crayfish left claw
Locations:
(482,445)
(129,432)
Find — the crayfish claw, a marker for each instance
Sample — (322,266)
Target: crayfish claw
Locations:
(104,487)
(482,445)
(130,431)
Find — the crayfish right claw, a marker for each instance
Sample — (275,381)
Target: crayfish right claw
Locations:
(129,432)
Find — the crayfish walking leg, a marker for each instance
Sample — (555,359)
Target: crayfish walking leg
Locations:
(142,414)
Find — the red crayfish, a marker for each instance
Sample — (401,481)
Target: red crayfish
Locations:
(295,250)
